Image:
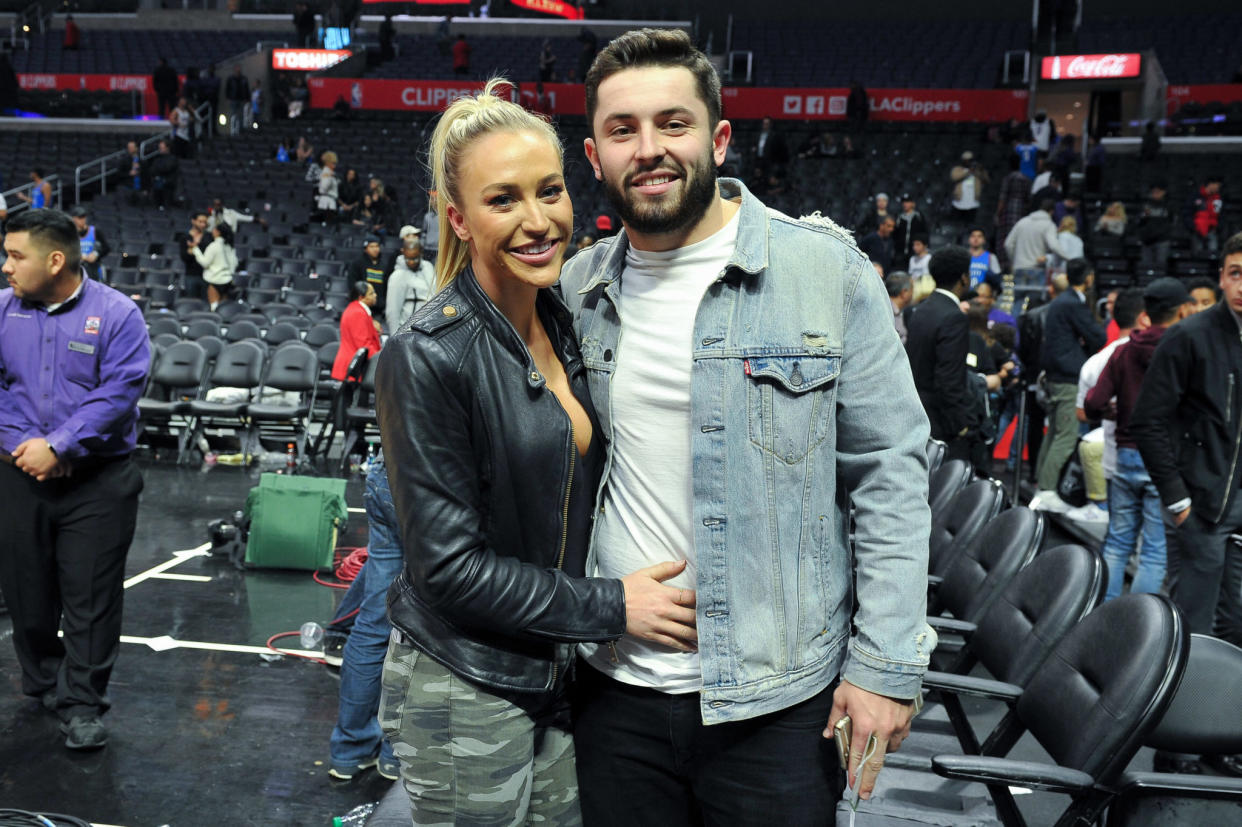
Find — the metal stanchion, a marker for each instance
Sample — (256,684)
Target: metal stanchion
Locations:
(1019,437)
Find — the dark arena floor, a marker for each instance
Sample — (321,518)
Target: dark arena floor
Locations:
(208,725)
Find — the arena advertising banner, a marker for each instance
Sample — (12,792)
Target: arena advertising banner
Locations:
(1091,67)
(38,82)
(559,8)
(556,7)
(307,60)
(886,104)
(742,103)
(434,95)
(1203,93)
(986,105)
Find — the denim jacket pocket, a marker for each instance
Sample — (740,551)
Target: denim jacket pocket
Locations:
(789,401)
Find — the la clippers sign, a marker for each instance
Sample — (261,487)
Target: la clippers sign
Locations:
(307,60)
(1090,67)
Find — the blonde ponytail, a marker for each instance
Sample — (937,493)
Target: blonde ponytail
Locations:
(465,121)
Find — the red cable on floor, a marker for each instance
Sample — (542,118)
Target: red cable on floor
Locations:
(291,653)
(347,567)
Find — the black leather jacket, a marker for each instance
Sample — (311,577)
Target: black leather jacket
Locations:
(480,459)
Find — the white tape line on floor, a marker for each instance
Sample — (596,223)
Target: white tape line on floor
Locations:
(178,558)
(163,643)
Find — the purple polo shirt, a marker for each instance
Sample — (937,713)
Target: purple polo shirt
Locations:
(72,376)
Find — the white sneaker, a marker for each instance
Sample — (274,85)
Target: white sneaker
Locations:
(1049,501)
(1089,513)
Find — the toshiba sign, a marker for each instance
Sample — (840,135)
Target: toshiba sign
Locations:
(307,60)
(1090,67)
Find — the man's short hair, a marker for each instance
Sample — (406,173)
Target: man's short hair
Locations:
(1048,205)
(1127,307)
(949,264)
(897,281)
(661,48)
(1077,270)
(1005,334)
(919,237)
(50,231)
(1232,247)
(1203,283)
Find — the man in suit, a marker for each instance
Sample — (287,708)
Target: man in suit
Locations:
(937,342)
(771,152)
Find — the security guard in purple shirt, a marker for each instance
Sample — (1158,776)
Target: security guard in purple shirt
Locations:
(73,362)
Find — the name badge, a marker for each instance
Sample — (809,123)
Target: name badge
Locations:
(971,359)
(81,347)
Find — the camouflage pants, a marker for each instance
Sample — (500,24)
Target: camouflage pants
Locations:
(472,757)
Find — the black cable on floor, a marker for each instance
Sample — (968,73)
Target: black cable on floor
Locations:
(24,818)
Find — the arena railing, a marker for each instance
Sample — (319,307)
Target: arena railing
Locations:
(15,204)
(96,171)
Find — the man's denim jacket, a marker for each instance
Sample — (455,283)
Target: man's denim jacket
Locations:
(802,403)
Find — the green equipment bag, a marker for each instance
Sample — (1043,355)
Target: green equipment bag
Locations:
(294,521)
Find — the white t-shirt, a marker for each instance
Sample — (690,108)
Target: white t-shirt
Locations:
(1088,375)
(648,508)
(968,201)
(1042,180)
(918,265)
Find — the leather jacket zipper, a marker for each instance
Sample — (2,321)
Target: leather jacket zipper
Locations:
(1237,443)
(560,557)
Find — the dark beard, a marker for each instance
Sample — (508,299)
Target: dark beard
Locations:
(657,219)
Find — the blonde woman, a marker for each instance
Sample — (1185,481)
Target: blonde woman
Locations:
(1113,221)
(328,199)
(1069,242)
(493,462)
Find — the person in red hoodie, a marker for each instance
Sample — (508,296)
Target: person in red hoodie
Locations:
(1133,501)
(73,35)
(358,328)
(1204,217)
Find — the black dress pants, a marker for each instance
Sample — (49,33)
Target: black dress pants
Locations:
(62,567)
(645,757)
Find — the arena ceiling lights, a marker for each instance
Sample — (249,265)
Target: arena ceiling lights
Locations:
(557,8)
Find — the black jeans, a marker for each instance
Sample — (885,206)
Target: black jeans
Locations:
(1207,580)
(62,566)
(645,757)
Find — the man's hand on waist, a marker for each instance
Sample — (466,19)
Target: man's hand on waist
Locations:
(886,718)
(658,613)
(36,458)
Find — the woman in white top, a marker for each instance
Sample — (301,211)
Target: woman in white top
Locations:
(219,262)
(327,201)
(1071,244)
(1113,220)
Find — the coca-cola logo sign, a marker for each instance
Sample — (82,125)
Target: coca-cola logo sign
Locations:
(1091,67)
